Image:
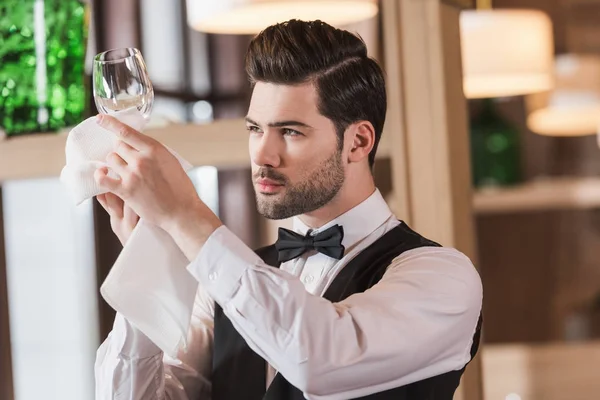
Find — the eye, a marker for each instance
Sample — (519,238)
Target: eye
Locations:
(291,132)
(253,128)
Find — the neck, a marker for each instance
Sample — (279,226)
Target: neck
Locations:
(347,198)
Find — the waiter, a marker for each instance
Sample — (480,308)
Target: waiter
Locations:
(350,304)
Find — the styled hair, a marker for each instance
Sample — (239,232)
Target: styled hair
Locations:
(349,84)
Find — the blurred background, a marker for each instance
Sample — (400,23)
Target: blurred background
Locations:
(490,146)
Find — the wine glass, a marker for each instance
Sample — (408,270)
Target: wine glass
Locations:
(121,83)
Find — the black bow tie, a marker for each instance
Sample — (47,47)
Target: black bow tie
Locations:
(291,245)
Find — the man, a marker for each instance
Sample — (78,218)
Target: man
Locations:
(360,306)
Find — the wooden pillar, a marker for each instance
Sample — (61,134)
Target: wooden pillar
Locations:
(428,128)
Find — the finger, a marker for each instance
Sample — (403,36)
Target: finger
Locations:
(105,182)
(126,152)
(115,204)
(102,200)
(130,217)
(116,163)
(125,133)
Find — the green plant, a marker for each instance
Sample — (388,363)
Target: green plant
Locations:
(42,79)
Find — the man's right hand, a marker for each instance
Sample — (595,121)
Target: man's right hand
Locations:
(122,218)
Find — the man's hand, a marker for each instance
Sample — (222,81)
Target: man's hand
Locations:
(122,218)
(153,183)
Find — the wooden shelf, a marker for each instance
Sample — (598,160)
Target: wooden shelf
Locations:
(543,195)
(223,144)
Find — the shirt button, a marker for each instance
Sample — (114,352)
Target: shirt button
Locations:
(212,276)
(309,279)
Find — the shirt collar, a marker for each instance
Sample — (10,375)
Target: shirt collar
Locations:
(358,222)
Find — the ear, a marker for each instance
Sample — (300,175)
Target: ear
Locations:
(361,136)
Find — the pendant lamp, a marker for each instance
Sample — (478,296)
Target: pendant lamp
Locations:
(505,52)
(252,16)
(572,108)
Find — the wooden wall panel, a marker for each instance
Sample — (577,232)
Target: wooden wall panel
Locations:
(540,270)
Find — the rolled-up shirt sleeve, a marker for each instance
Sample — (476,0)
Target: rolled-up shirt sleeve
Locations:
(417,322)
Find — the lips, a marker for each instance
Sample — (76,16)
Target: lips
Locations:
(268,186)
(268,182)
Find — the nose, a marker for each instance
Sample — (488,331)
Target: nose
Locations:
(265,150)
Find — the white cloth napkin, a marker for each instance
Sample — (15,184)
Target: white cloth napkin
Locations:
(148,284)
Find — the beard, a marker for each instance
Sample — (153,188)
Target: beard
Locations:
(317,189)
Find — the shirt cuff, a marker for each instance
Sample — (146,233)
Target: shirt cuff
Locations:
(221,263)
(132,342)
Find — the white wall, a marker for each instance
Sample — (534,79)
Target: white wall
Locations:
(52,291)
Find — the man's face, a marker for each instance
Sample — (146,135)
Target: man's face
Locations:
(297,165)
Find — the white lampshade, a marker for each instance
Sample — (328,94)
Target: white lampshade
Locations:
(573,107)
(506,52)
(252,16)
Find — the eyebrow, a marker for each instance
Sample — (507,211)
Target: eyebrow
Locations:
(279,124)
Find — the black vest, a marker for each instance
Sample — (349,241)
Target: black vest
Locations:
(240,374)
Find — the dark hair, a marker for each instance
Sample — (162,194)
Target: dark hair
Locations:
(350,85)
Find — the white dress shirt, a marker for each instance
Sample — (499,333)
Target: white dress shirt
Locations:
(416,323)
